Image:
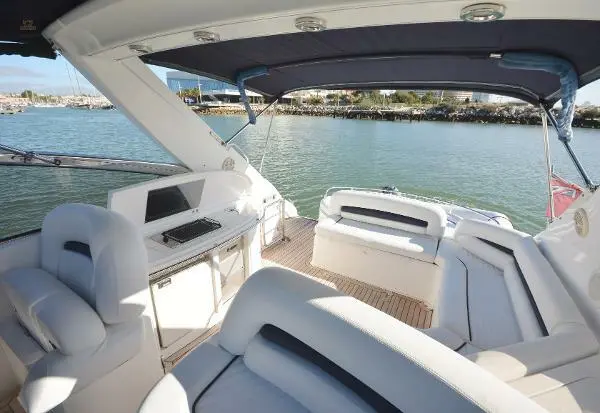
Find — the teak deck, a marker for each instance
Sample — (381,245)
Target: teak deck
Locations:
(295,252)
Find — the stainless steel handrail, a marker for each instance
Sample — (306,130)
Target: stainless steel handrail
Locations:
(90,162)
(239,151)
(413,196)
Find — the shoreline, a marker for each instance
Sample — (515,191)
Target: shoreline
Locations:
(482,114)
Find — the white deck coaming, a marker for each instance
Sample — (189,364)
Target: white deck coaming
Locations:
(166,25)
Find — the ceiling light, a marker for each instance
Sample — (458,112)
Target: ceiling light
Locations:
(310,24)
(482,12)
(206,37)
(140,48)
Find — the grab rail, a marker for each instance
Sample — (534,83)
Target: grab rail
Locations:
(239,151)
(412,196)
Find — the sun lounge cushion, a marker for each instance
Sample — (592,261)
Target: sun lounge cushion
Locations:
(395,241)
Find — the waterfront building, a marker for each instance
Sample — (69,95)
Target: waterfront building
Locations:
(209,89)
(481,97)
(458,95)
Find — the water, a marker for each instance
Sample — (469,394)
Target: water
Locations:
(498,167)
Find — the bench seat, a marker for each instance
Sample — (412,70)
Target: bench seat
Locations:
(501,304)
(381,239)
(392,240)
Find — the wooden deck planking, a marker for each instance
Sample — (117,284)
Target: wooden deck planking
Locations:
(296,253)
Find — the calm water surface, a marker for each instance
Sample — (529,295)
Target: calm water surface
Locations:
(498,167)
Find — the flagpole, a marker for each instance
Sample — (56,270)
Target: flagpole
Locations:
(548,164)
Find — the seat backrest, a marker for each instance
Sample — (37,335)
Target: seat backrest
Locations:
(279,314)
(84,305)
(389,210)
(98,254)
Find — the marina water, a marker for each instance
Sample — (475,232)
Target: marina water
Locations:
(496,167)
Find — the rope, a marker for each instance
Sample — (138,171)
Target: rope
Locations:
(548,164)
(262,160)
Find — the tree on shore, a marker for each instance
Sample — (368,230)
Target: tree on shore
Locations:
(315,100)
(428,98)
(28,94)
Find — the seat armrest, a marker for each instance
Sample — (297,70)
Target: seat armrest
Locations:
(523,359)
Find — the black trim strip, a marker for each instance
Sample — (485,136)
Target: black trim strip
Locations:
(371,397)
(534,307)
(22,234)
(467,293)
(460,347)
(78,248)
(389,216)
(499,247)
(213,381)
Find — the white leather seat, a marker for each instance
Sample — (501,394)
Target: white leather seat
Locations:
(79,313)
(359,233)
(289,343)
(501,298)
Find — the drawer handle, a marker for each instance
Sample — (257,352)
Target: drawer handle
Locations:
(164,283)
(231,248)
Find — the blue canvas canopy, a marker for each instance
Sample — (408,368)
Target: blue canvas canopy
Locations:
(446,55)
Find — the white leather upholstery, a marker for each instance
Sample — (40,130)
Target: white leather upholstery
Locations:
(359,233)
(56,316)
(434,215)
(405,367)
(505,328)
(112,283)
(570,388)
(395,241)
(83,305)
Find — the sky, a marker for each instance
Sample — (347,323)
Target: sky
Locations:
(48,76)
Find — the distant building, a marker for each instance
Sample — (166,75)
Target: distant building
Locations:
(458,95)
(421,93)
(482,97)
(209,89)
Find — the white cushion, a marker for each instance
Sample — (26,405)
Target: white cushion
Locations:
(451,310)
(115,276)
(557,308)
(56,376)
(491,314)
(434,215)
(306,382)
(506,237)
(56,316)
(522,359)
(395,241)
(375,348)
(239,389)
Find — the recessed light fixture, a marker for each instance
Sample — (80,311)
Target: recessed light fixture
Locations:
(310,24)
(140,48)
(482,12)
(206,37)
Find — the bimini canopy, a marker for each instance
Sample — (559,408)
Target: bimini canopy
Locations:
(447,55)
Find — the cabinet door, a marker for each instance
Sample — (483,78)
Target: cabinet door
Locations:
(184,303)
(231,269)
